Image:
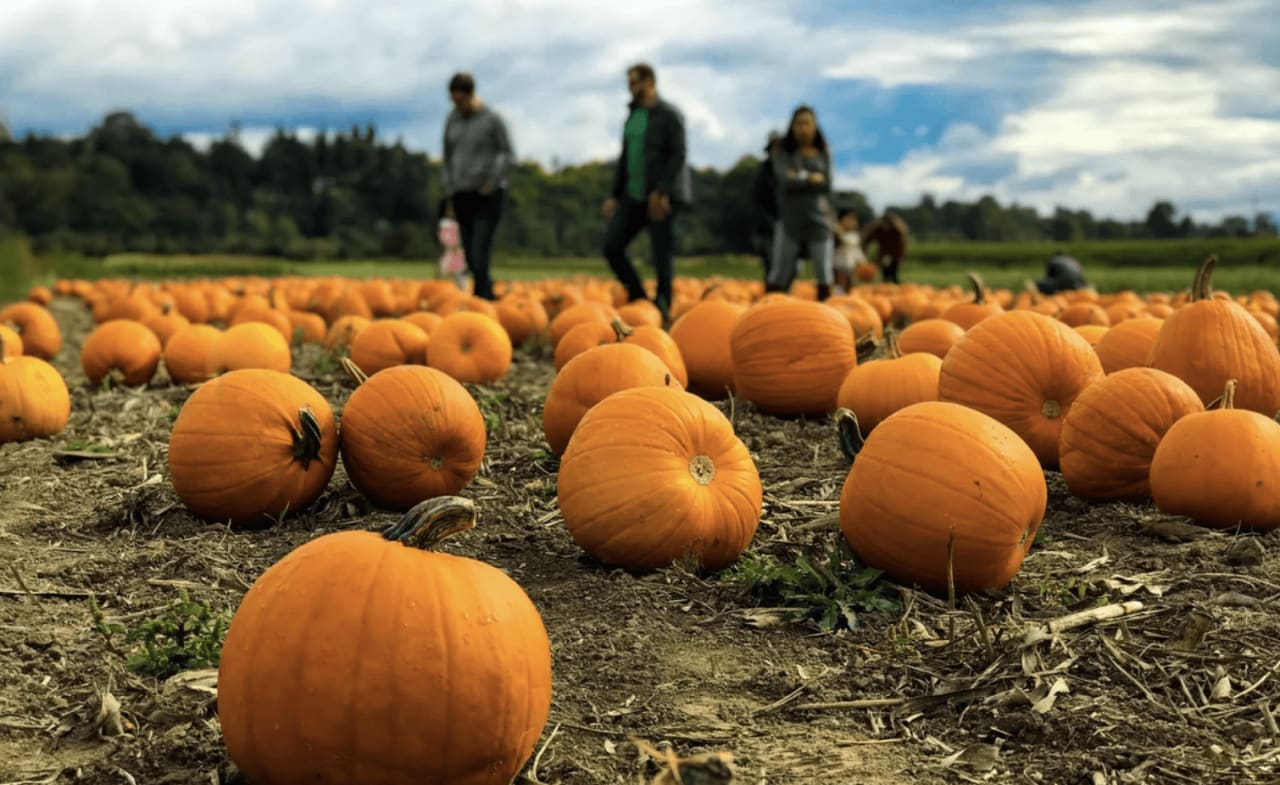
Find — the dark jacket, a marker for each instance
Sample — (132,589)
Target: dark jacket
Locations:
(665,167)
(1062,273)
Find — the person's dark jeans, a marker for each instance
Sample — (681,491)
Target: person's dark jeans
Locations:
(889,270)
(478,216)
(630,216)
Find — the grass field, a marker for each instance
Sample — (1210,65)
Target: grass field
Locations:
(1244,265)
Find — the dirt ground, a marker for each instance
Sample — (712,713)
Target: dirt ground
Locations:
(1181,689)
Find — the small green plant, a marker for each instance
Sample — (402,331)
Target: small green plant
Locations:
(84,445)
(186,635)
(174,411)
(830,589)
(490,407)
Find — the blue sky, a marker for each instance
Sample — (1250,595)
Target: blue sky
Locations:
(1100,105)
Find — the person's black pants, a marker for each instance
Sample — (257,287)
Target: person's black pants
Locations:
(478,216)
(629,217)
(889,270)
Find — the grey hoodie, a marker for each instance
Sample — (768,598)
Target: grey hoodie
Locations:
(477,151)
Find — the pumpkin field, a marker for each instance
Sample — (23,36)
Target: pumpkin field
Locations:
(914,534)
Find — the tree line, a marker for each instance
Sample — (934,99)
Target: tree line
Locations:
(350,194)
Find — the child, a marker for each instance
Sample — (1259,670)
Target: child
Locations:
(452,261)
(848,251)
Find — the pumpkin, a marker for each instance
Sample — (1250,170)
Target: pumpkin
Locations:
(252,445)
(1128,344)
(1091,333)
(410,433)
(703,334)
(586,310)
(10,343)
(249,345)
(656,340)
(186,355)
(877,389)
(375,659)
(1084,313)
(1111,432)
(40,334)
(790,356)
(968,314)
(388,342)
(124,349)
(1210,340)
(581,337)
(935,336)
(470,347)
(942,496)
(344,330)
(306,327)
(522,317)
(164,323)
(1024,369)
(34,400)
(591,377)
(679,482)
(1220,467)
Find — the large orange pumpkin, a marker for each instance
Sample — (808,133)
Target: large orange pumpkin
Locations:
(1112,429)
(388,342)
(121,347)
(1128,344)
(411,433)
(941,490)
(655,473)
(970,313)
(703,334)
(1210,340)
(252,445)
(1024,369)
(186,355)
(34,401)
(249,345)
(374,659)
(935,336)
(1220,467)
(40,334)
(790,356)
(877,389)
(470,347)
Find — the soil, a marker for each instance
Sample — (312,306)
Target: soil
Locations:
(1183,688)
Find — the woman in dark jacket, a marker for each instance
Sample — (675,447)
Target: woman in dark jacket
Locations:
(802,166)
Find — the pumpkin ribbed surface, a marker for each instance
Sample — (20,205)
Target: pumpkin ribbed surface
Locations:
(790,356)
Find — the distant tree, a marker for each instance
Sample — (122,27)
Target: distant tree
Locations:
(1264,225)
(1160,220)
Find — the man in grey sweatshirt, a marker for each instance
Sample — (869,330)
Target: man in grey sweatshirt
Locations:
(478,157)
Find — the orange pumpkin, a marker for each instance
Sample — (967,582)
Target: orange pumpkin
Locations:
(590,378)
(389,342)
(703,336)
(122,348)
(1111,432)
(790,356)
(1220,467)
(1128,344)
(878,388)
(581,337)
(711,496)
(40,334)
(164,323)
(1024,369)
(935,336)
(344,330)
(942,494)
(249,345)
(470,347)
(186,355)
(10,343)
(252,445)
(34,400)
(522,317)
(658,341)
(968,314)
(356,630)
(1210,340)
(411,433)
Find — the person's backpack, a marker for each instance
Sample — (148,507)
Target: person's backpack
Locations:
(764,188)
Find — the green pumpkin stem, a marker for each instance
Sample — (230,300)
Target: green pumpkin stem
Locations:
(979,288)
(306,440)
(429,522)
(1228,398)
(1202,286)
(851,439)
(357,375)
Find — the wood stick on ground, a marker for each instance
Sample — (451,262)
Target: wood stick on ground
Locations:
(1083,618)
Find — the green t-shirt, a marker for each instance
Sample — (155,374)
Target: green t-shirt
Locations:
(637,124)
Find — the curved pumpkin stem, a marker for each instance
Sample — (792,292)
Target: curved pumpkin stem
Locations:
(429,522)
(306,441)
(1033,290)
(892,350)
(851,439)
(979,288)
(709,290)
(1228,398)
(1202,286)
(357,375)
(621,329)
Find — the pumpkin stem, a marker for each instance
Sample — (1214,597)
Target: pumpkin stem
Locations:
(865,346)
(709,290)
(1202,286)
(1228,398)
(1033,290)
(851,439)
(429,522)
(621,329)
(358,376)
(891,344)
(306,440)
(979,289)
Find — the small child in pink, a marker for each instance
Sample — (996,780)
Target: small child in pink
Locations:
(452,261)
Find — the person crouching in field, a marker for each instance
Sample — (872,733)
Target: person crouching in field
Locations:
(802,166)
(848,253)
(889,233)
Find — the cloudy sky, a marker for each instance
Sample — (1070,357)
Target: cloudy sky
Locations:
(1104,105)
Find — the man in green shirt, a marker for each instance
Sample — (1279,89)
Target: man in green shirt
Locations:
(651,182)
